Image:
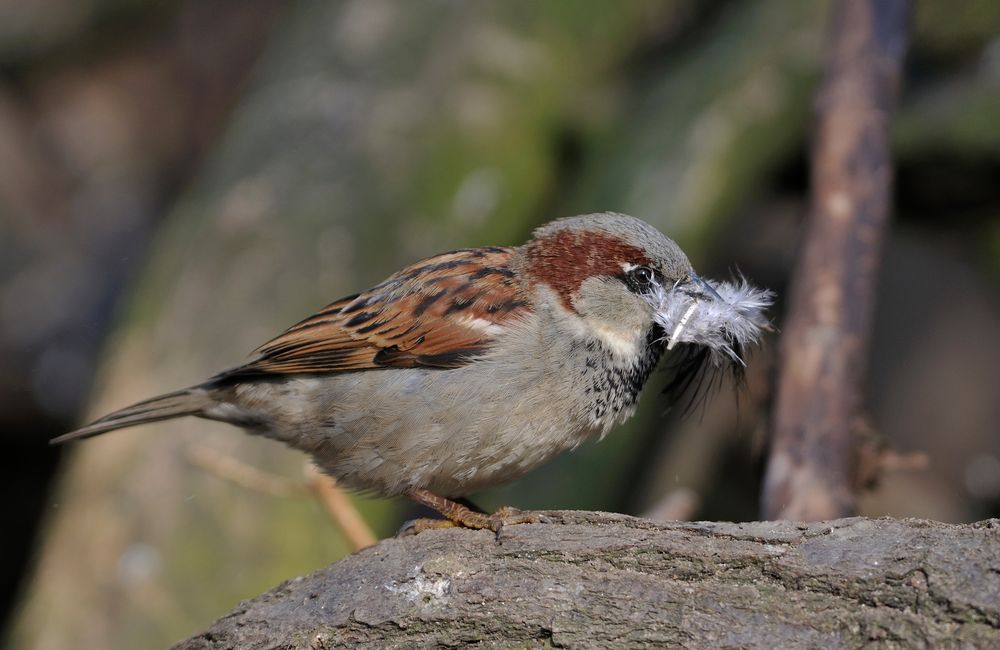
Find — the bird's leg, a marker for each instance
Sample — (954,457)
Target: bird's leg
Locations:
(468,504)
(457,514)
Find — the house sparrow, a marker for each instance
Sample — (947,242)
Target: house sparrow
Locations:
(470,368)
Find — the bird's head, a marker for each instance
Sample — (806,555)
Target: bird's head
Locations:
(619,279)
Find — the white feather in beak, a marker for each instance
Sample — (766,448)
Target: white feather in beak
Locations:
(725,323)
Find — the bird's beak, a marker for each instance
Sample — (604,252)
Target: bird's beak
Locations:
(706,289)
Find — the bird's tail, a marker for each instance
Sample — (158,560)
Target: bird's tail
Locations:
(190,401)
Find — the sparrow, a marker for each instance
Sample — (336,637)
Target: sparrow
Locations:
(470,368)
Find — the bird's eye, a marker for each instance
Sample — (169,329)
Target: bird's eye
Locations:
(641,277)
(643,274)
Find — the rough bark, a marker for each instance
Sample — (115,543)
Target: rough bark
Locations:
(604,580)
(825,344)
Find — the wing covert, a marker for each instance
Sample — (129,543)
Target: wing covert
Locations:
(440,312)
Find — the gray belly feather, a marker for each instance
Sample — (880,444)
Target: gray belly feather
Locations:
(451,431)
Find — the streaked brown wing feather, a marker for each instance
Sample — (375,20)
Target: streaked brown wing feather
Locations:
(440,312)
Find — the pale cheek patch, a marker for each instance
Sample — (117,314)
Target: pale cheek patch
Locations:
(725,326)
(622,345)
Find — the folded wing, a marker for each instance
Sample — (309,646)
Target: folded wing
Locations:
(441,312)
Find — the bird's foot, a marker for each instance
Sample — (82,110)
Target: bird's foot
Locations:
(458,515)
(509,516)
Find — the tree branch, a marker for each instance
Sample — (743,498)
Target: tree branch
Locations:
(823,355)
(603,580)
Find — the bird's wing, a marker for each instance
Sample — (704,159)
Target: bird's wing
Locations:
(440,312)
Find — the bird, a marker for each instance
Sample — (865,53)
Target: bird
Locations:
(470,368)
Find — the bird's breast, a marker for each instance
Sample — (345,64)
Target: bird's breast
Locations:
(612,382)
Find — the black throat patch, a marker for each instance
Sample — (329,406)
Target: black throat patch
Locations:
(613,384)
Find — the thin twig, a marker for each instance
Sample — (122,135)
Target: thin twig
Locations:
(337,504)
(246,476)
(340,509)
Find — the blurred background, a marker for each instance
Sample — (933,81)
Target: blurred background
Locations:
(181,179)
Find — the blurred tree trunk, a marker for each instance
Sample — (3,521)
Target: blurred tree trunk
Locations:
(812,469)
(104,113)
(599,580)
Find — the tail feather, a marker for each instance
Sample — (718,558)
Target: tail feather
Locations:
(190,401)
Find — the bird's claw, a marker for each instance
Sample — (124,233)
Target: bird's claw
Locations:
(496,522)
(417,526)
